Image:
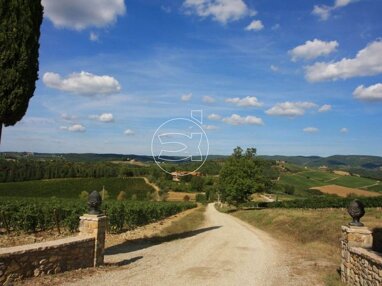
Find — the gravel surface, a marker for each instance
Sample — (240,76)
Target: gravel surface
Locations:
(225,251)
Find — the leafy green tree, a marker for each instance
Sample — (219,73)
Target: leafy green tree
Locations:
(185,178)
(241,176)
(20,22)
(197,184)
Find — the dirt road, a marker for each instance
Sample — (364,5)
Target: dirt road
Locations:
(156,188)
(225,251)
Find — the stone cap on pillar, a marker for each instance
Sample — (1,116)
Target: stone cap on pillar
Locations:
(92,216)
(356,229)
(357,236)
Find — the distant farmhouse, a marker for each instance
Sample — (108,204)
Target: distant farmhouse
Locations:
(177,174)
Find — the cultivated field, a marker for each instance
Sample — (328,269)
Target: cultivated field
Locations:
(345,191)
(179,196)
(71,188)
(309,179)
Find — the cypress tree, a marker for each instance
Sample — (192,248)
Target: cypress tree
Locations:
(20,22)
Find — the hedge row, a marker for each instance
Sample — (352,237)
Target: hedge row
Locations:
(317,203)
(37,215)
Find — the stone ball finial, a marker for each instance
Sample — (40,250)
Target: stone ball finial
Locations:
(356,210)
(94,203)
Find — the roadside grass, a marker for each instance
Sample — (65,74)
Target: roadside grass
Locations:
(315,233)
(186,224)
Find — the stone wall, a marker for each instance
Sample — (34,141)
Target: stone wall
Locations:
(46,258)
(365,267)
(360,265)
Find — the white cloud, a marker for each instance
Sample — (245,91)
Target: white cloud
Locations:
(104,117)
(325,108)
(208,99)
(310,129)
(166,9)
(83,83)
(129,132)
(236,119)
(93,36)
(344,130)
(324,11)
(368,61)
(74,128)
(186,97)
(274,68)
(255,25)
(245,101)
(275,27)
(290,109)
(80,14)
(342,3)
(214,116)
(313,49)
(68,117)
(210,127)
(222,11)
(37,121)
(370,93)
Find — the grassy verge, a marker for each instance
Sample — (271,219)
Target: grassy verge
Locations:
(186,224)
(315,233)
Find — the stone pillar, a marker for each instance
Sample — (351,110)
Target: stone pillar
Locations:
(95,225)
(353,236)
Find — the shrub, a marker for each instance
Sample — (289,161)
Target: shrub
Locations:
(289,189)
(84,195)
(186,198)
(201,198)
(121,196)
(104,194)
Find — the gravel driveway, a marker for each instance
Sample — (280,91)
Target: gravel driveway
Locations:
(225,251)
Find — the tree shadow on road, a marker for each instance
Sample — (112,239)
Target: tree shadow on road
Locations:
(124,262)
(141,243)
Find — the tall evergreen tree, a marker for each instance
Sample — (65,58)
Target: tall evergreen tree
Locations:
(20,22)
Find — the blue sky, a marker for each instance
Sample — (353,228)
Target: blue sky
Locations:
(288,77)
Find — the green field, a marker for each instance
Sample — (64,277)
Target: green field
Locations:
(39,214)
(71,188)
(353,182)
(377,188)
(314,178)
(300,183)
(320,176)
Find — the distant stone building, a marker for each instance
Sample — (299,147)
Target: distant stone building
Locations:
(177,174)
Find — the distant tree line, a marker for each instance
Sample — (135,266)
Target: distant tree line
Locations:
(371,174)
(25,170)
